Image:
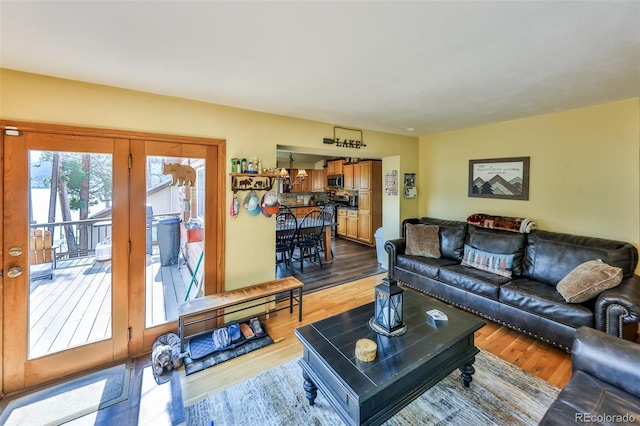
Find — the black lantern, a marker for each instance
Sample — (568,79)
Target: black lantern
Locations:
(388,306)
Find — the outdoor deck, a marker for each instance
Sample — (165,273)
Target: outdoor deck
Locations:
(74,308)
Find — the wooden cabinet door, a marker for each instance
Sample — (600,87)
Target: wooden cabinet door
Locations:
(317,181)
(364,227)
(331,167)
(295,187)
(364,183)
(342,222)
(302,211)
(352,224)
(348,176)
(356,176)
(364,200)
(306,184)
(337,167)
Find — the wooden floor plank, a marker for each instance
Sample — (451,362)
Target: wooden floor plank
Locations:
(545,361)
(74,308)
(494,338)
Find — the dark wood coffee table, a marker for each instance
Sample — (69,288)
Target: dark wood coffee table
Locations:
(369,393)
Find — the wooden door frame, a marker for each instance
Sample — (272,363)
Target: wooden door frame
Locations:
(2,257)
(214,234)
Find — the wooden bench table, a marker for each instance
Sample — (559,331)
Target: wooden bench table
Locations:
(208,308)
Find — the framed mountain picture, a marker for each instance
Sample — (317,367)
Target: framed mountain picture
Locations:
(505,178)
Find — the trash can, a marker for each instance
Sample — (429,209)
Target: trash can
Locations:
(379,236)
(169,240)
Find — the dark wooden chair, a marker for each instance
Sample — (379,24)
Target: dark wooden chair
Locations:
(286,231)
(309,237)
(287,212)
(327,213)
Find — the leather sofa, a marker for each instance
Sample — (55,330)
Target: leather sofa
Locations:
(605,384)
(527,301)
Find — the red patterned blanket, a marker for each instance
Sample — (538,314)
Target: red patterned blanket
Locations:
(506,223)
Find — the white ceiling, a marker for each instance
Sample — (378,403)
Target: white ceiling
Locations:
(429,65)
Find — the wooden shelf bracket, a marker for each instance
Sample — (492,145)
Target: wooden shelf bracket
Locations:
(248,182)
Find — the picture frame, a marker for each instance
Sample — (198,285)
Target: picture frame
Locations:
(503,178)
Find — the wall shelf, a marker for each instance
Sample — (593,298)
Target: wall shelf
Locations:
(252,181)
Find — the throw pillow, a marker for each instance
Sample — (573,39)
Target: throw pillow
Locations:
(588,280)
(422,240)
(500,264)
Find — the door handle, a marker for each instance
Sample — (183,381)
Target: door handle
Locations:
(15,251)
(14,272)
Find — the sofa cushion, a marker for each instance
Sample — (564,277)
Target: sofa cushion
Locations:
(474,280)
(542,299)
(452,236)
(500,264)
(588,280)
(550,256)
(422,240)
(499,242)
(426,266)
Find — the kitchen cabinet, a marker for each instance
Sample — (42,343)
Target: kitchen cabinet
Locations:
(365,176)
(305,186)
(351,176)
(330,168)
(300,212)
(342,222)
(334,167)
(352,224)
(348,176)
(367,180)
(356,176)
(318,180)
(364,227)
(364,200)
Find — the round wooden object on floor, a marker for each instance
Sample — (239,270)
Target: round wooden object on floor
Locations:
(366,350)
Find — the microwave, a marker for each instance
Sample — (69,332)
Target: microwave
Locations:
(335,181)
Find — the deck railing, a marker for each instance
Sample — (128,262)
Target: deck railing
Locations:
(77,237)
(80,237)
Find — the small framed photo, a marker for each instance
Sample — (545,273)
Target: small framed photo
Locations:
(505,178)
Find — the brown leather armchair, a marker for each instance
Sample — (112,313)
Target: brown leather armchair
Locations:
(605,385)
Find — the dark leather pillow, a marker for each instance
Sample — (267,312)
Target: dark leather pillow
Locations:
(422,240)
(588,280)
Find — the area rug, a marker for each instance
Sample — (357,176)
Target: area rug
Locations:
(69,400)
(500,394)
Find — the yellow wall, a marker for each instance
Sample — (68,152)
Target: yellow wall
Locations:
(250,251)
(584,175)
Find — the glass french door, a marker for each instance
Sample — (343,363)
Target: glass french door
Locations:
(66,223)
(175,218)
(174,200)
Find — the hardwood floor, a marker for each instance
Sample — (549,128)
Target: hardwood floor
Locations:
(159,404)
(350,262)
(540,359)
